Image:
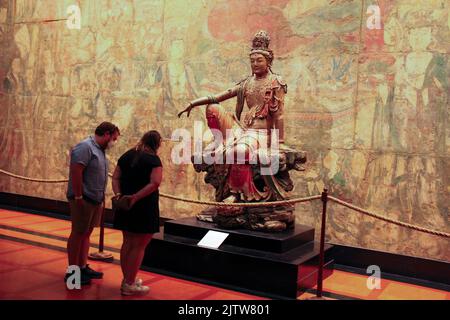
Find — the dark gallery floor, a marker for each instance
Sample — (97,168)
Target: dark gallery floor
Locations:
(32,260)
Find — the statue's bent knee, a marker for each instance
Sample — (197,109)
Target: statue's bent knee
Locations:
(213,109)
(213,115)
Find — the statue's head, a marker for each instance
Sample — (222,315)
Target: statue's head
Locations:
(261,57)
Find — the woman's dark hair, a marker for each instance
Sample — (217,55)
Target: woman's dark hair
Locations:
(152,140)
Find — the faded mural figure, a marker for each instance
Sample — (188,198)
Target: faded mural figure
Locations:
(13,112)
(178,80)
(412,97)
(409,121)
(114,64)
(419,114)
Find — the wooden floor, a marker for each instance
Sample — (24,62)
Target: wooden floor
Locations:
(33,262)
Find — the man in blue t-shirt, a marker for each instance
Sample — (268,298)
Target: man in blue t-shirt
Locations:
(86,194)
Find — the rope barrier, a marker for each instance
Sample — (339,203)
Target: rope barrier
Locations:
(248,204)
(263,204)
(32,179)
(397,222)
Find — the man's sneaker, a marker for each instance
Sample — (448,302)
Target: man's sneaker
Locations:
(84,279)
(133,289)
(91,273)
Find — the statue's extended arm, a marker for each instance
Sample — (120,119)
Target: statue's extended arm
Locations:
(225,95)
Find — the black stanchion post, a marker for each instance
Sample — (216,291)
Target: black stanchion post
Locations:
(322,243)
(102,232)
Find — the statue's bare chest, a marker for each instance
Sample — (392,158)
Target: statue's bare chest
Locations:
(255,91)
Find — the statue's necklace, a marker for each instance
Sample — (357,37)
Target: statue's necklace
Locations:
(259,86)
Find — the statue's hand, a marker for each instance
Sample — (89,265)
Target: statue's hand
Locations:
(188,110)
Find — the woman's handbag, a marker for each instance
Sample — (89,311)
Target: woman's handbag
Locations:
(121,203)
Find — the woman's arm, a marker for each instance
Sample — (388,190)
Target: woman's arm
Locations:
(155,181)
(116,181)
(225,95)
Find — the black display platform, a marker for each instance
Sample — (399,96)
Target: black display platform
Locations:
(272,242)
(276,265)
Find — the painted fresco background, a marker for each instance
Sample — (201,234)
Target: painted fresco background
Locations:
(369,106)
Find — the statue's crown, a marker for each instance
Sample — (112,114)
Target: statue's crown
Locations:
(261,41)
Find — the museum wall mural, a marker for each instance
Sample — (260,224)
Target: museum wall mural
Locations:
(368,98)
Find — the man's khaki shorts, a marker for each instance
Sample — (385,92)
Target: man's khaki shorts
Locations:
(85,216)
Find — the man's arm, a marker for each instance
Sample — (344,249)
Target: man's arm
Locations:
(76,170)
(80,156)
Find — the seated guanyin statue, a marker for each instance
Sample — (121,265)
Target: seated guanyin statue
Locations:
(254,141)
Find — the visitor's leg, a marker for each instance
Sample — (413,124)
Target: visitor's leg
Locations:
(84,252)
(136,256)
(124,252)
(74,245)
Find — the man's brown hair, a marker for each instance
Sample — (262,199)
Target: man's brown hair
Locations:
(106,127)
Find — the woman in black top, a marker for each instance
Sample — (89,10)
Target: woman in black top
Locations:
(136,178)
